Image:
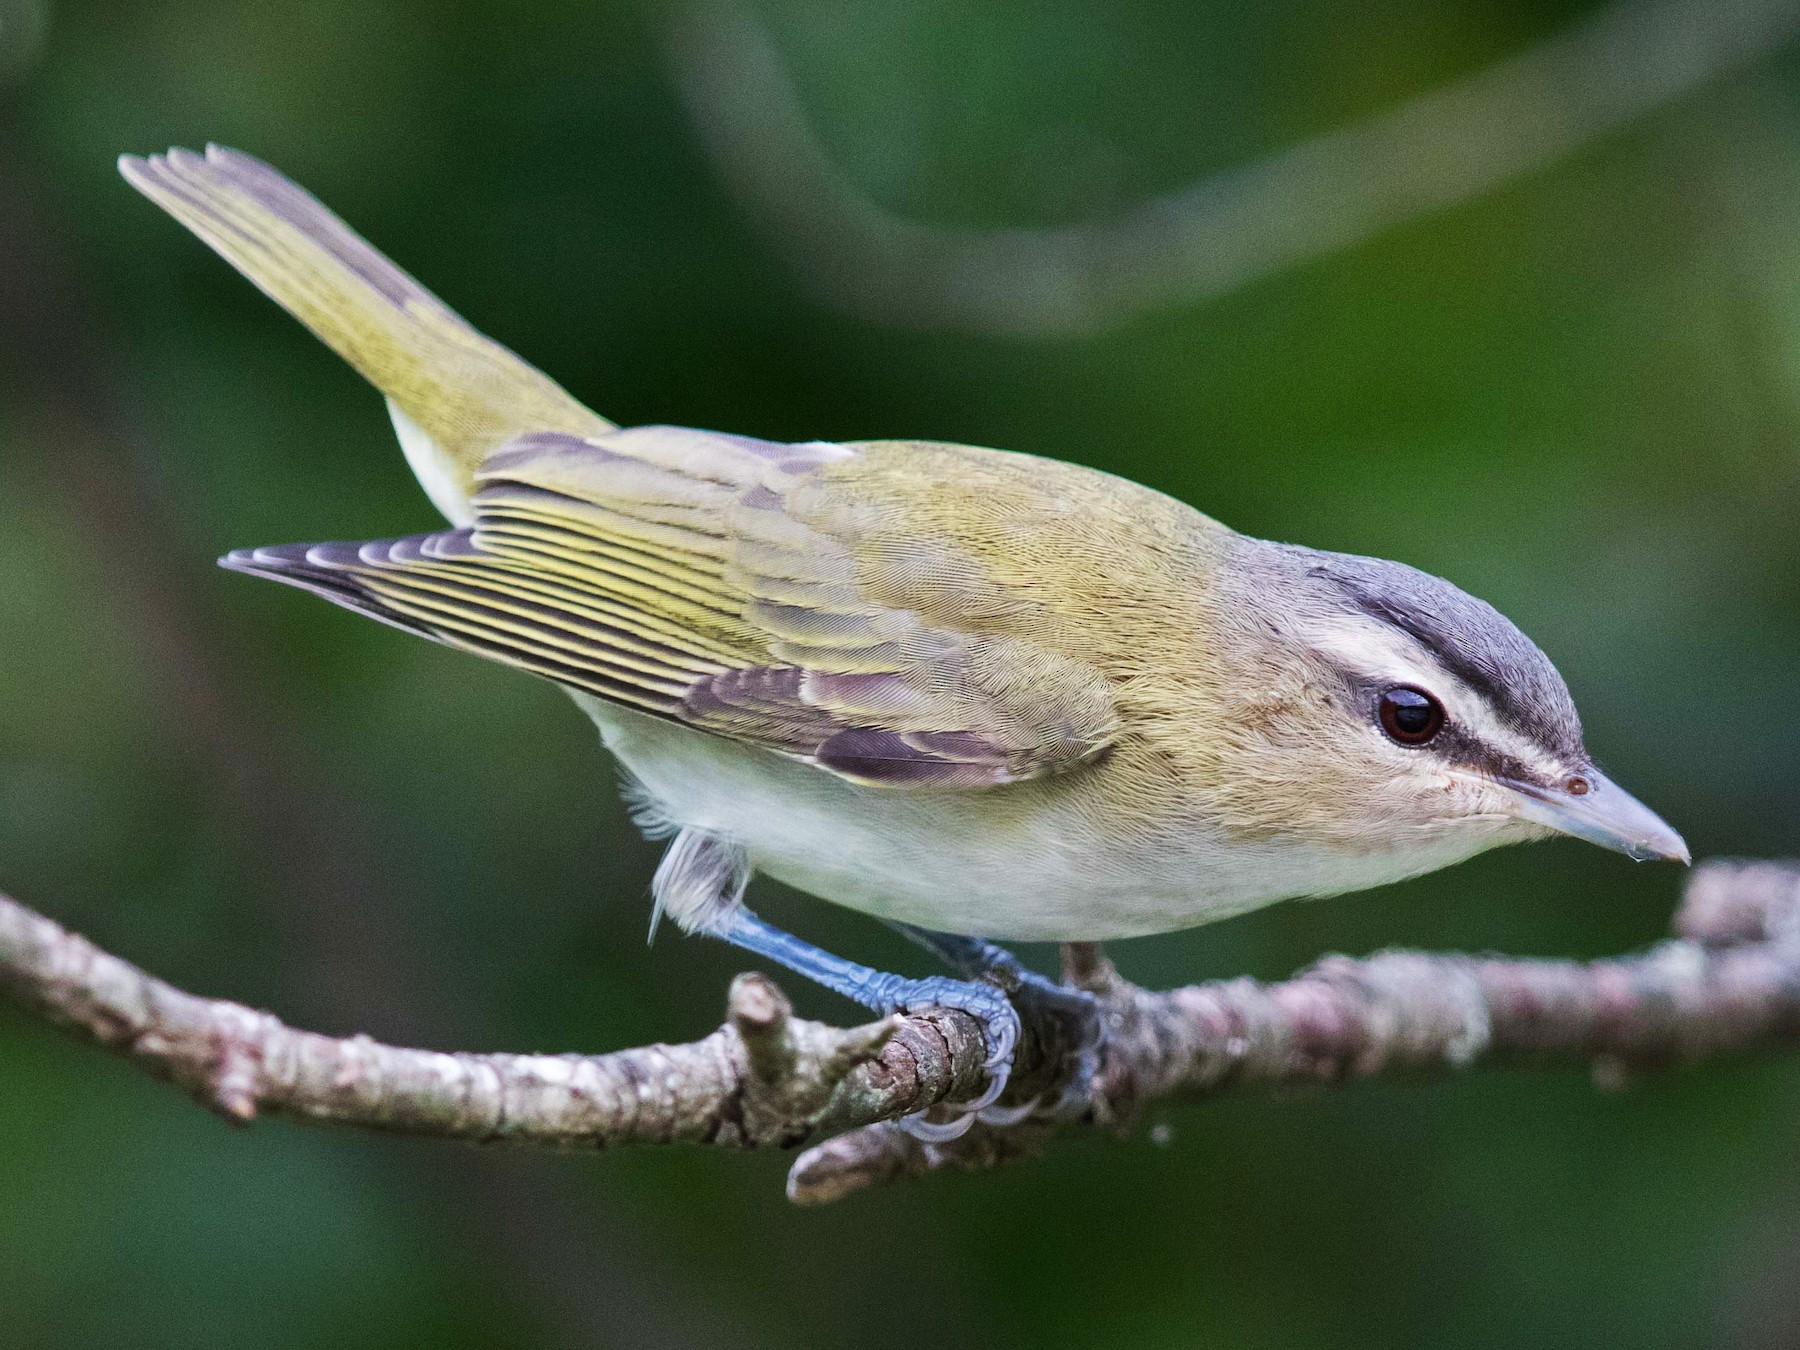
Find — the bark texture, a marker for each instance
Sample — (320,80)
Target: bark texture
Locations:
(1729,981)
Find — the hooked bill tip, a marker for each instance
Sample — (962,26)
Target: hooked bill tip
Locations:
(1602,813)
(1673,848)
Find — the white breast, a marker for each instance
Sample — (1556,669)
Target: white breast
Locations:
(954,862)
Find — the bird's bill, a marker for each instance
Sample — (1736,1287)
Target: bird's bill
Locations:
(1606,814)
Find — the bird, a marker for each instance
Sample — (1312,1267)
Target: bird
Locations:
(980,695)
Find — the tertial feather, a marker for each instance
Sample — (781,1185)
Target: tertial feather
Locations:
(723,582)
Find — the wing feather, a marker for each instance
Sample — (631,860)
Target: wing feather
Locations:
(726,583)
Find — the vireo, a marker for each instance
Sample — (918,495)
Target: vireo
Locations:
(977,694)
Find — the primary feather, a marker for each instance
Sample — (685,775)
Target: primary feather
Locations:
(733,586)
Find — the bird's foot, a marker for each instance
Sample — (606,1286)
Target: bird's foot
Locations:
(1075,1013)
(988,1004)
(983,999)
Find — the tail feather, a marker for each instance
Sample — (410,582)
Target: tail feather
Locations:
(462,392)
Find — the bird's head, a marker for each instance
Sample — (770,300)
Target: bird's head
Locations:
(1382,711)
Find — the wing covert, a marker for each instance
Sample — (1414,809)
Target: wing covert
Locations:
(716,580)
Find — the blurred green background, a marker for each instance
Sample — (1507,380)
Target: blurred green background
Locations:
(1578,396)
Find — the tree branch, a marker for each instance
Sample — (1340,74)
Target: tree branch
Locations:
(1729,982)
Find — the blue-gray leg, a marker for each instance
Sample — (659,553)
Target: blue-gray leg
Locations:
(976,958)
(887,993)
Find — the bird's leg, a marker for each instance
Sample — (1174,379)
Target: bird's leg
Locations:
(976,958)
(885,993)
(1076,1009)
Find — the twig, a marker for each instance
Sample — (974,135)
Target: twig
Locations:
(765,1078)
(1442,148)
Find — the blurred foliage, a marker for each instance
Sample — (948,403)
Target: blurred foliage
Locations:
(1578,397)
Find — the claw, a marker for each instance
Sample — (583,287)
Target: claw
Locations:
(934,1131)
(997,973)
(999,1024)
(1005,1117)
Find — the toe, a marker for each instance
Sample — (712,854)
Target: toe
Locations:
(936,1131)
(1001,1029)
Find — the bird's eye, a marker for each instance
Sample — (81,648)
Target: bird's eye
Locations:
(1411,716)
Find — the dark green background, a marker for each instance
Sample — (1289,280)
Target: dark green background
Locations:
(1578,397)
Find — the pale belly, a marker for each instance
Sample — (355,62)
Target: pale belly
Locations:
(1022,863)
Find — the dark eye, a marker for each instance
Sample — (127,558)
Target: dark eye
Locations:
(1411,716)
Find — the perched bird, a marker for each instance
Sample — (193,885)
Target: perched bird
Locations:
(980,695)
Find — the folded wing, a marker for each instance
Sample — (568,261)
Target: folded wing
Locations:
(718,581)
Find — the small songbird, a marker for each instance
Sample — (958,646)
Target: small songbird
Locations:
(977,694)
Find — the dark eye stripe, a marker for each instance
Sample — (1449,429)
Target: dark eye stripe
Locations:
(1521,699)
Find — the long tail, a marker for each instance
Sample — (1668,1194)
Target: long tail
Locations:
(462,393)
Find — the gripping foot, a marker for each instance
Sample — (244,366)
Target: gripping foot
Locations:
(983,1000)
(1075,1010)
